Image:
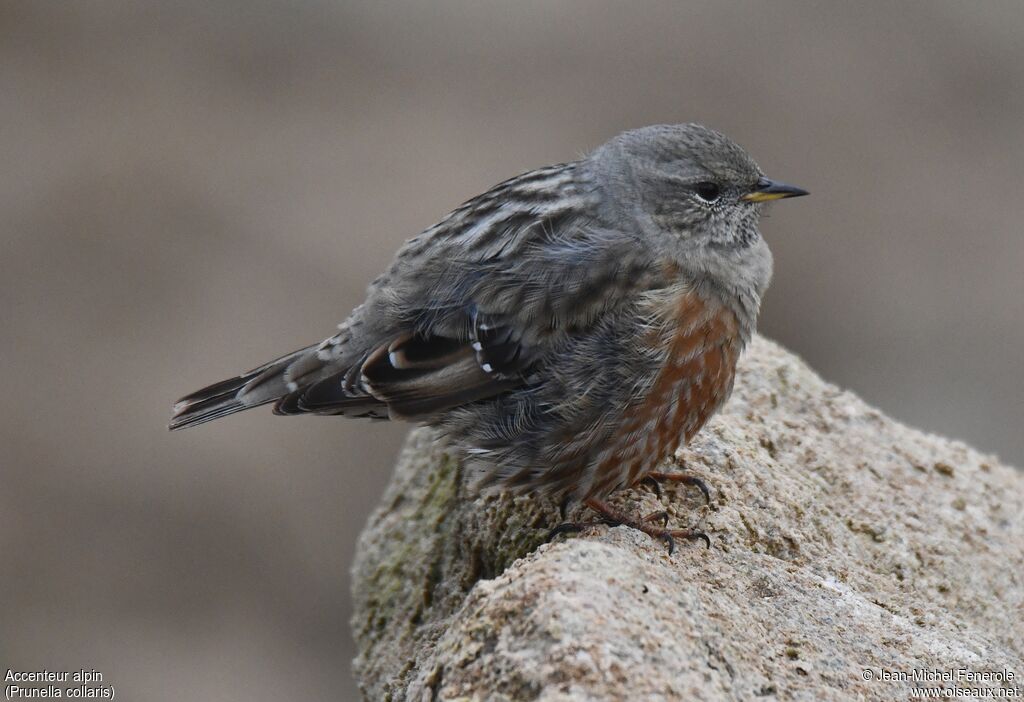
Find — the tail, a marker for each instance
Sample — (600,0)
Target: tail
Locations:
(268,383)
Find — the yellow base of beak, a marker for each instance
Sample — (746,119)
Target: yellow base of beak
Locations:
(767,190)
(764,197)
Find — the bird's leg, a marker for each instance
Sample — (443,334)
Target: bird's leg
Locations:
(656,478)
(658,516)
(563,506)
(611,516)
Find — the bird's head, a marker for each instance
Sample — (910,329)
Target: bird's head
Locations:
(696,195)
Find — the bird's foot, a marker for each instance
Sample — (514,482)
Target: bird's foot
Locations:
(611,516)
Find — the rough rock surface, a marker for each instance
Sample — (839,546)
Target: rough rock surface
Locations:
(843,542)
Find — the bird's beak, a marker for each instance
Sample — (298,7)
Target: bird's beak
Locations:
(766,190)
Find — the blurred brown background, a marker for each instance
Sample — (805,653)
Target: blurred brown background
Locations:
(190,188)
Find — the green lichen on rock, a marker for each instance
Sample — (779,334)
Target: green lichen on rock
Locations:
(407,559)
(442,489)
(432,540)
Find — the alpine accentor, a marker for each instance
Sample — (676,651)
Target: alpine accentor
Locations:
(567,330)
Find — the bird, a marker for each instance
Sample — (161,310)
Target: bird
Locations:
(565,331)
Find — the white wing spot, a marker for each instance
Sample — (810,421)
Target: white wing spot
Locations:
(487,368)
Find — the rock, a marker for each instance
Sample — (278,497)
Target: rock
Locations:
(846,548)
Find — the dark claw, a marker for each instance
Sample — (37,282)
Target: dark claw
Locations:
(702,486)
(574,527)
(564,528)
(700,535)
(670,541)
(653,484)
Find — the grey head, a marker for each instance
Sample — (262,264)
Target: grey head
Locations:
(696,198)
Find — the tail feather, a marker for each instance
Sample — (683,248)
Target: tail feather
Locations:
(194,416)
(330,396)
(257,387)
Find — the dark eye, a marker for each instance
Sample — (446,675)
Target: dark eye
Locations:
(708,191)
